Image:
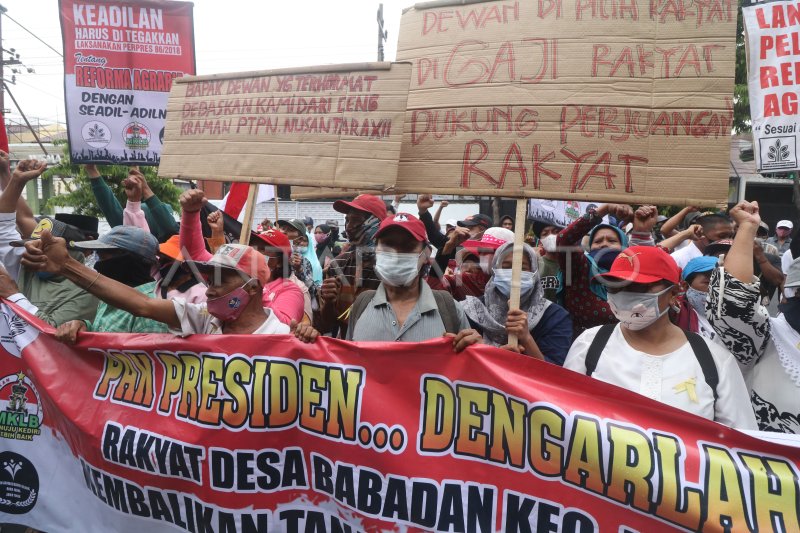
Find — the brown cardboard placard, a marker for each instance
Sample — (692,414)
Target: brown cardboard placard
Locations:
(327,126)
(322,193)
(602,100)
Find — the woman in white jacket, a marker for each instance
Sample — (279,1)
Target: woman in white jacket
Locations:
(767,349)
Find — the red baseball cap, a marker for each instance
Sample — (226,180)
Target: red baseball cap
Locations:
(408,222)
(643,264)
(363,202)
(237,257)
(275,239)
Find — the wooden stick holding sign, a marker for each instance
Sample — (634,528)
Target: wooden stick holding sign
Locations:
(516,264)
(249,207)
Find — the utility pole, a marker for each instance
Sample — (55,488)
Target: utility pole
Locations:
(5,62)
(382,34)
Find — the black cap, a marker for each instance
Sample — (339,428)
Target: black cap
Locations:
(57,228)
(87,224)
(476,220)
(297,224)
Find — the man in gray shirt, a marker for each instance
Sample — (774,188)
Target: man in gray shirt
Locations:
(403,307)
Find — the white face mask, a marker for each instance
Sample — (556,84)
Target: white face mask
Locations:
(549,243)
(397,269)
(636,310)
(502,282)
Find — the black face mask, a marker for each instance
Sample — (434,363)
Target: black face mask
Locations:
(126,268)
(791,312)
(166,274)
(604,257)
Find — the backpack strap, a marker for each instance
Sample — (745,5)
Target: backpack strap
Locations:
(706,361)
(357,309)
(447,310)
(598,345)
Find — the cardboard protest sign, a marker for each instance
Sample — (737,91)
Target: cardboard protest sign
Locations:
(773,74)
(310,193)
(581,99)
(120,61)
(331,126)
(246,433)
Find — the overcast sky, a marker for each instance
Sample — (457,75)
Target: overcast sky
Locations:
(230,36)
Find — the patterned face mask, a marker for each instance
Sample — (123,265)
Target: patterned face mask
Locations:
(697,300)
(229,306)
(636,310)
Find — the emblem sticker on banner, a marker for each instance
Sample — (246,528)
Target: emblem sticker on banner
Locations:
(96,134)
(21,411)
(778,153)
(19,484)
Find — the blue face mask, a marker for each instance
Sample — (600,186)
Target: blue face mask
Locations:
(45,276)
(502,282)
(604,257)
(697,300)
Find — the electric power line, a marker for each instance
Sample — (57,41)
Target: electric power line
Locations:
(33,34)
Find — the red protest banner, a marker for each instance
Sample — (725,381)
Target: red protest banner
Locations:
(120,60)
(258,433)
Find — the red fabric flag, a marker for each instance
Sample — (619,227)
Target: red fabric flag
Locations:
(235,199)
(3,133)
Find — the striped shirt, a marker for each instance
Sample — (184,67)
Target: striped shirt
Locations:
(379,323)
(110,319)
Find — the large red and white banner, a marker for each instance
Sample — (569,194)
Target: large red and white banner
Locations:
(137,433)
(772,29)
(119,62)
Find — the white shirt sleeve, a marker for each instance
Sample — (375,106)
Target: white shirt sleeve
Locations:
(23,302)
(10,256)
(194,318)
(786,261)
(576,358)
(733,407)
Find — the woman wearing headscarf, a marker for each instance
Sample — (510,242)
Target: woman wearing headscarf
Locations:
(310,271)
(691,315)
(543,329)
(584,295)
(326,247)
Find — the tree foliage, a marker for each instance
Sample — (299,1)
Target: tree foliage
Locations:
(81,198)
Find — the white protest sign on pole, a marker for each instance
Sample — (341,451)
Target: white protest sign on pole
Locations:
(773,75)
(120,61)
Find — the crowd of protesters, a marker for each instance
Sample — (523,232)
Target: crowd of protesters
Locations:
(670,308)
